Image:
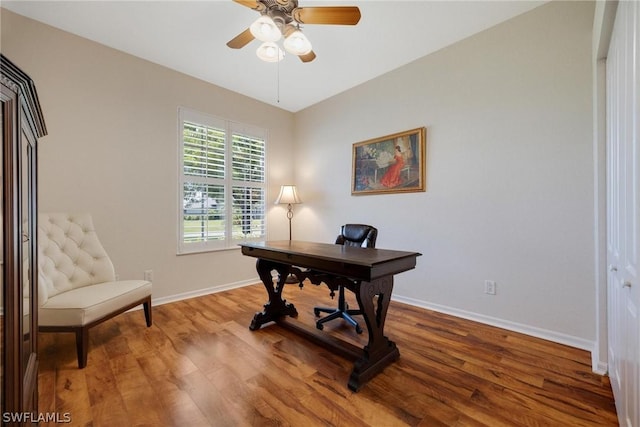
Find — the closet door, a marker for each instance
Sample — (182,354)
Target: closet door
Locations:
(623,212)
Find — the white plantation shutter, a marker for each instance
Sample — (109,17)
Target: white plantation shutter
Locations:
(248,206)
(248,158)
(203,150)
(222,193)
(248,176)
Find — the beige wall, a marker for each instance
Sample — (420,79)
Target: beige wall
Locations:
(509,170)
(509,173)
(112,150)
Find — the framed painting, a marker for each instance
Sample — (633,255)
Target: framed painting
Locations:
(390,164)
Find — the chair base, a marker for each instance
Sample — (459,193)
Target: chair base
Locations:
(336,314)
(341,312)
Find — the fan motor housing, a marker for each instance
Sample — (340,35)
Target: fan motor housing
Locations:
(281,11)
(276,7)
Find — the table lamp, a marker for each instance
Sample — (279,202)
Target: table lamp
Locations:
(288,196)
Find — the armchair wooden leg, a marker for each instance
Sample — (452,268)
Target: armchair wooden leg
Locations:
(147,311)
(82,346)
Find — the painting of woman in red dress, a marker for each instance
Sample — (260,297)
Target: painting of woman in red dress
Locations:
(391,178)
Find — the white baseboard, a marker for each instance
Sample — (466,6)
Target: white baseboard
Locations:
(199,293)
(206,291)
(597,366)
(557,337)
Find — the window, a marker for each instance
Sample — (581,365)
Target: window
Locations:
(222,188)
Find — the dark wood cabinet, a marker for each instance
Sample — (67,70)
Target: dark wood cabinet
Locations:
(22,125)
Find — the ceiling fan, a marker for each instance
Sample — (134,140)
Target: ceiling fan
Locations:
(280,18)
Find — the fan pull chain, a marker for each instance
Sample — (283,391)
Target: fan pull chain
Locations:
(278,82)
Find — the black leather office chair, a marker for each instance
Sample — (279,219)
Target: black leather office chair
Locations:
(360,235)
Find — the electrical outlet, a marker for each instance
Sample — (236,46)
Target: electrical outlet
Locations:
(489,287)
(148,275)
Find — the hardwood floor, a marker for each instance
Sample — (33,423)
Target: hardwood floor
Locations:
(200,365)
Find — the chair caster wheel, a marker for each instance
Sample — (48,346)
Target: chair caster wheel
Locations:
(358,330)
(316,312)
(319,326)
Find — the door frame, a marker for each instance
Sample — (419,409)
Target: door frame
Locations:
(604,18)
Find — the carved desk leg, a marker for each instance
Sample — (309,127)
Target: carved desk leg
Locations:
(374,298)
(276,306)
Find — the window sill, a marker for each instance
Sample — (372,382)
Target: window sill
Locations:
(203,250)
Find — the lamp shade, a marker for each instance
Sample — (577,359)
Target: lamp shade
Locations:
(288,195)
(297,43)
(265,29)
(270,52)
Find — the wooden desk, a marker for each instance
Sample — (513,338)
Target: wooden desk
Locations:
(366,272)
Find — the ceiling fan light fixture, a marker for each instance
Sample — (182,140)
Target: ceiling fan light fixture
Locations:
(297,43)
(265,29)
(281,19)
(270,52)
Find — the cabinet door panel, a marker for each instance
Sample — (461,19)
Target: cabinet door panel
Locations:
(22,124)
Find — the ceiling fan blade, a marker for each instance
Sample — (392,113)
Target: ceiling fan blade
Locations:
(241,40)
(308,57)
(332,15)
(251,4)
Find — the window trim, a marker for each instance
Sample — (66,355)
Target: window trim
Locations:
(231,128)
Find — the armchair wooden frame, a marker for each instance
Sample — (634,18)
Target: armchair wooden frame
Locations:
(82,332)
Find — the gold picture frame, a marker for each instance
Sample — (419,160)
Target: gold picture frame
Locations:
(390,164)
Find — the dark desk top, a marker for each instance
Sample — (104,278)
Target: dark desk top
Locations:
(356,263)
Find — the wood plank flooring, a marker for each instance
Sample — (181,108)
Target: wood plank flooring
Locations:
(200,365)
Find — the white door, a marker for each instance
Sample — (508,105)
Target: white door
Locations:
(623,212)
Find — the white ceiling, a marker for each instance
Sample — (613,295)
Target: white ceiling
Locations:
(191,36)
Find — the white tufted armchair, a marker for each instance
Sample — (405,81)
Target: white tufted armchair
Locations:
(77,286)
